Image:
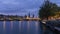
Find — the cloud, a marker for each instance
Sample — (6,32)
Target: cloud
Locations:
(19,6)
(22,7)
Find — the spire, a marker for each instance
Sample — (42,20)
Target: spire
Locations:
(33,15)
(25,16)
(29,14)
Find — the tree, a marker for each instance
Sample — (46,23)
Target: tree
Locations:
(58,11)
(47,9)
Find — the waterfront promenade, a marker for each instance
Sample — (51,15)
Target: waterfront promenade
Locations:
(52,26)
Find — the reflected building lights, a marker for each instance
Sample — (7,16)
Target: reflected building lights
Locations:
(28,26)
(11,25)
(36,23)
(4,24)
(4,27)
(19,24)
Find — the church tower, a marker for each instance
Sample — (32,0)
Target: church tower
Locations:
(29,15)
(33,16)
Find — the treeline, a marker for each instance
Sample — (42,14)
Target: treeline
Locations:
(10,17)
(49,9)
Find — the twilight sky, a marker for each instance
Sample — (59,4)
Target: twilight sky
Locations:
(22,7)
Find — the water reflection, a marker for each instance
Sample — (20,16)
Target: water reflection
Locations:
(1,27)
(37,26)
(7,27)
(15,27)
(11,25)
(4,25)
(28,26)
(19,27)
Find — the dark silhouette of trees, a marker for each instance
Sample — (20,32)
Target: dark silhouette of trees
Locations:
(47,9)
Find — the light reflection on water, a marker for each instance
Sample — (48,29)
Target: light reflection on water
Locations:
(19,27)
(11,25)
(28,27)
(4,24)
(37,27)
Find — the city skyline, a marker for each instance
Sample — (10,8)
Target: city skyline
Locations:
(22,7)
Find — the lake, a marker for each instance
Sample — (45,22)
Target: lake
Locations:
(22,27)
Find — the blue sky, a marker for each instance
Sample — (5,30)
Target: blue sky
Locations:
(22,7)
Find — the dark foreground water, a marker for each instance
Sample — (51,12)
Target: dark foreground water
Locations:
(20,27)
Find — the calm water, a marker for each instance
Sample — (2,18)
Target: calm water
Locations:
(20,27)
